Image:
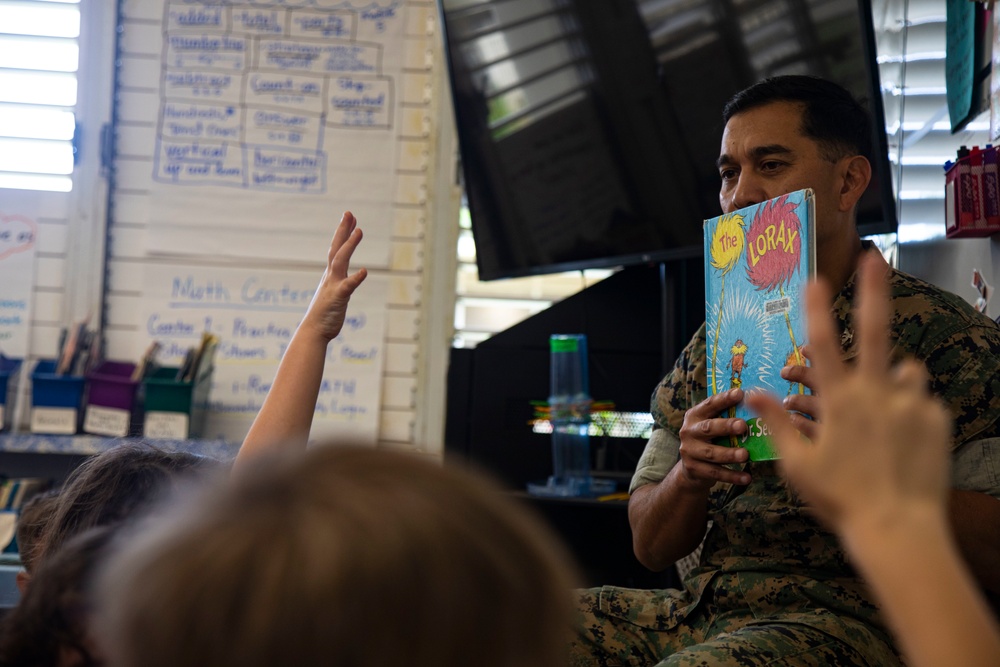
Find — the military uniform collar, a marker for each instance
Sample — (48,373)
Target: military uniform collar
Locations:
(843,305)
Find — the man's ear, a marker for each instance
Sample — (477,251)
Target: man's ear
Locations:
(856,173)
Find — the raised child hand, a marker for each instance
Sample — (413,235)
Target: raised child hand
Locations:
(328,308)
(881,448)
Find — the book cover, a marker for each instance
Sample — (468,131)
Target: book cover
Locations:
(757,260)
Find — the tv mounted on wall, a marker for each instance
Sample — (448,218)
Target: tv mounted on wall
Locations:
(589,129)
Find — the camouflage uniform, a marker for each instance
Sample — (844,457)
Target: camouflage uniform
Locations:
(773,587)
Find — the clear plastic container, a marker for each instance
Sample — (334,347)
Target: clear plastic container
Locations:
(569,404)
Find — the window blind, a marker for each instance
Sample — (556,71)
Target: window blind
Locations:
(39,58)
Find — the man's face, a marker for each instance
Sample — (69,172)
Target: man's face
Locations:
(764,155)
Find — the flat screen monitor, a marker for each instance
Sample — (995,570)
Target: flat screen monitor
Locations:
(589,129)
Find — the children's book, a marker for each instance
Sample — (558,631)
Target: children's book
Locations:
(757,260)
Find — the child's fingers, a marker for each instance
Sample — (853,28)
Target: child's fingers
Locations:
(926,429)
(824,344)
(791,448)
(911,374)
(342,258)
(785,435)
(872,318)
(352,281)
(344,230)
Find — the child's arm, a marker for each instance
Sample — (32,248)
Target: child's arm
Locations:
(877,473)
(286,416)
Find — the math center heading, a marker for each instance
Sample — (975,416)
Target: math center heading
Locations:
(253,291)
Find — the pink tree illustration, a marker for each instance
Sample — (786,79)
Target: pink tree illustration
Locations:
(774,248)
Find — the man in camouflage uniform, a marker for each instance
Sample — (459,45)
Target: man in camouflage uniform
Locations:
(773,587)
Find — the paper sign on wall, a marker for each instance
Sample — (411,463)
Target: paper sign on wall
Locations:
(18,235)
(273,118)
(254,313)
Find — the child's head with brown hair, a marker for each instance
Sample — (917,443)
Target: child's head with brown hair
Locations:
(50,627)
(113,487)
(342,556)
(31,522)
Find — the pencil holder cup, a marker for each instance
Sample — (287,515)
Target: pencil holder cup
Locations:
(55,400)
(175,408)
(111,400)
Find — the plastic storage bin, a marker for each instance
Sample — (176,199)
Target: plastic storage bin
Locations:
(174,408)
(111,399)
(55,400)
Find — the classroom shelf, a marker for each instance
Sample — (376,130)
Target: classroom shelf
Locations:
(86,445)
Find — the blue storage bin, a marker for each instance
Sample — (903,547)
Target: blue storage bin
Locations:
(56,400)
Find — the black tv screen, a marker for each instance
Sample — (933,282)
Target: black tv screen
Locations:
(589,129)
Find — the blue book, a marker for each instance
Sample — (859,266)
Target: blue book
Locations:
(757,260)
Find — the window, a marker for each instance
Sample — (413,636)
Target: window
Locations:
(485,308)
(910,38)
(39,58)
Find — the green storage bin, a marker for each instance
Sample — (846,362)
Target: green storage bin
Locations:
(175,409)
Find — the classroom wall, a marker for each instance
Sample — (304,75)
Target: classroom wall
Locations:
(948,263)
(34,304)
(51,212)
(65,282)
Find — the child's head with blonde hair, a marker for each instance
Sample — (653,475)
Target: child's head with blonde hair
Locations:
(343,556)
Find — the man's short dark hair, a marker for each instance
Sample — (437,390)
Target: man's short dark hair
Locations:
(831,116)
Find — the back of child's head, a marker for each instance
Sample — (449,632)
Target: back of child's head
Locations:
(115,486)
(343,556)
(34,516)
(50,625)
